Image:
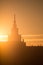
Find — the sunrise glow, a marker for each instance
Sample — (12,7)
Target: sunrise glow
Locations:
(3,38)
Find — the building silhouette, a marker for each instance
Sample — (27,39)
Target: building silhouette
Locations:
(19,53)
(15,37)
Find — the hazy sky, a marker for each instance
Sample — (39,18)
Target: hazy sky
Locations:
(29,15)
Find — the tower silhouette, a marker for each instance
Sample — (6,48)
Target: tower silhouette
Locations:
(15,37)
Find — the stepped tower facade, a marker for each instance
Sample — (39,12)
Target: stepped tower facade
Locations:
(15,37)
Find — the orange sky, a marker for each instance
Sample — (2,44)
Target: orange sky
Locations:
(29,16)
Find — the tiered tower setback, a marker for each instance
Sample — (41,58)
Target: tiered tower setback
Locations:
(14,32)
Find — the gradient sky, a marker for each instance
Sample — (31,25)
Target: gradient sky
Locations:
(29,16)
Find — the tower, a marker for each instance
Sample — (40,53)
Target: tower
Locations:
(15,37)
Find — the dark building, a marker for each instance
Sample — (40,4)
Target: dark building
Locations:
(15,37)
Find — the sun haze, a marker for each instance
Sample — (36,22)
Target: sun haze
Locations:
(3,38)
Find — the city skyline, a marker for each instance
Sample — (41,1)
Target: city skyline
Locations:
(29,18)
(21,32)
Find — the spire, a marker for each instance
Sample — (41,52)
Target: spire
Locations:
(14,23)
(14,19)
